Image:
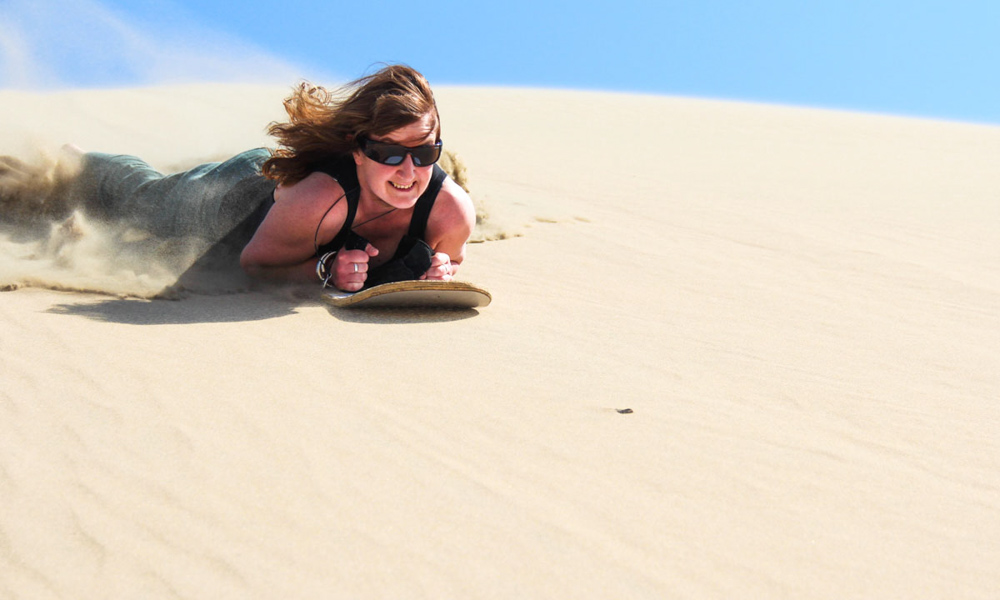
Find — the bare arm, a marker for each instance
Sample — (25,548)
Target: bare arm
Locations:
(448,230)
(283,247)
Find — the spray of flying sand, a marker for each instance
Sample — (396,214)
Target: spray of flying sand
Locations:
(48,240)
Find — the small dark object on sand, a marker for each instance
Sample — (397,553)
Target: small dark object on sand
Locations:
(624,411)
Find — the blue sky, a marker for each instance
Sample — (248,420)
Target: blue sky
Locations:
(935,59)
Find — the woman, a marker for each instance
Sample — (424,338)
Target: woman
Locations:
(365,165)
(352,197)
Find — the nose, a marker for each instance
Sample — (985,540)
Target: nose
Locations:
(407,165)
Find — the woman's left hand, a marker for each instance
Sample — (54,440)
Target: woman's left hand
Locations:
(441,268)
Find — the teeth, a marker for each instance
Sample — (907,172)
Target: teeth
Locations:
(402,187)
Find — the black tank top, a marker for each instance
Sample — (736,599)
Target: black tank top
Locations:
(346,174)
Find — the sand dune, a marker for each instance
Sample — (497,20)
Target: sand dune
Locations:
(801,308)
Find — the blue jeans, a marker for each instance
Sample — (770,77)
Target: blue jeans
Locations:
(214,201)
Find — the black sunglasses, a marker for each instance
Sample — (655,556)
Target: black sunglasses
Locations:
(394,154)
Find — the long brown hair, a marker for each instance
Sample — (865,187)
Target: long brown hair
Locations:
(325,125)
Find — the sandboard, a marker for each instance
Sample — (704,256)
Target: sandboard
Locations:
(412,294)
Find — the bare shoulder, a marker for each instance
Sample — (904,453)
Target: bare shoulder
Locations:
(312,202)
(453,210)
(451,221)
(317,188)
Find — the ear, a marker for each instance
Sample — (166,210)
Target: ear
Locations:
(359,157)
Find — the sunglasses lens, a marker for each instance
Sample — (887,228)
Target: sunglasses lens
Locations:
(426,155)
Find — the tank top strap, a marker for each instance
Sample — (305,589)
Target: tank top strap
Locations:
(422,210)
(345,173)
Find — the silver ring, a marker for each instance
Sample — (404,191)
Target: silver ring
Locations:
(356,267)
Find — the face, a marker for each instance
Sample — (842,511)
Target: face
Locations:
(400,185)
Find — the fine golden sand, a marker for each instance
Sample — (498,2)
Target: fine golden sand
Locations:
(799,308)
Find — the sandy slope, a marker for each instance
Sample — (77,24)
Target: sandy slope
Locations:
(801,308)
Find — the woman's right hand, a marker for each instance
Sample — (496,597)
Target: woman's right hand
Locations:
(350,268)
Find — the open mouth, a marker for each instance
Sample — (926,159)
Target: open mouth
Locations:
(403,187)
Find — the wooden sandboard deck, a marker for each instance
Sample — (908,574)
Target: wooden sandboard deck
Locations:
(409,294)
